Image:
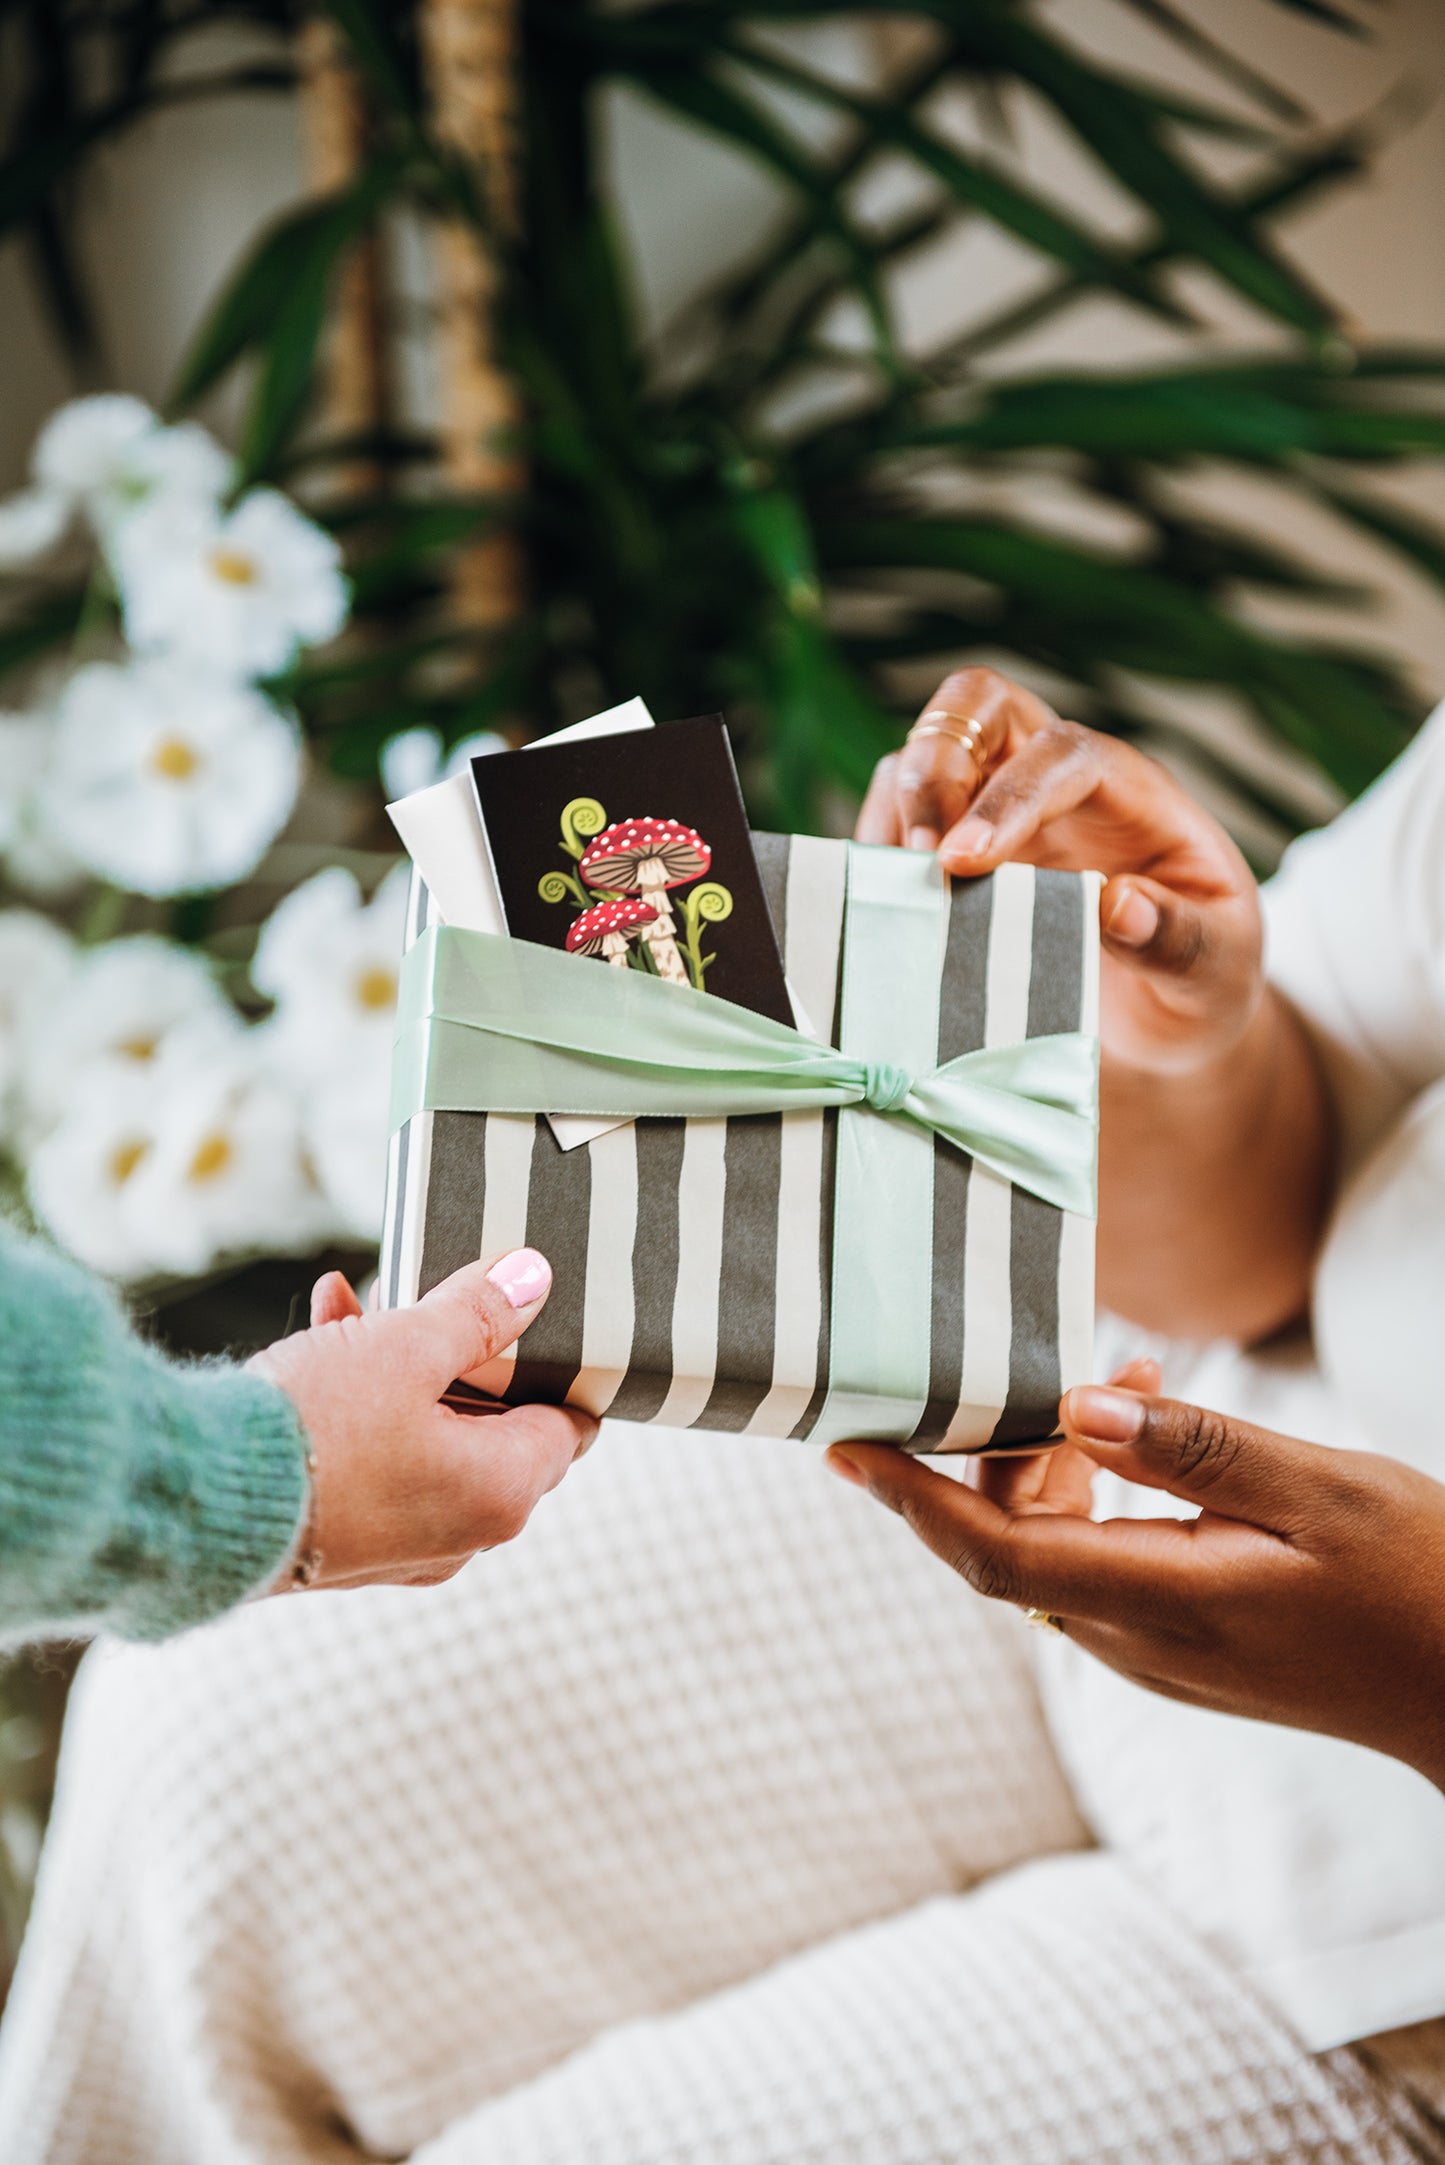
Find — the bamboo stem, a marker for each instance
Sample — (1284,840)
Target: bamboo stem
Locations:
(335,123)
(471,52)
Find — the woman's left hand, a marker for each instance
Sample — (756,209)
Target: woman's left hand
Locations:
(1310,1590)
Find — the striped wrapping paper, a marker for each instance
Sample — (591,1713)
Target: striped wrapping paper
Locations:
(692,1258)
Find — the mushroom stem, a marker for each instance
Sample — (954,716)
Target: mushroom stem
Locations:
(661,934)
(614,947)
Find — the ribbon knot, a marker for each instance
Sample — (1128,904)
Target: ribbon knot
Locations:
(885,1087)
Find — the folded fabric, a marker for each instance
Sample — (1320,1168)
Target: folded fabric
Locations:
(884,1229)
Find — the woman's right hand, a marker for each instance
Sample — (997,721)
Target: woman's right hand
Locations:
(406,1486)
(1179,916)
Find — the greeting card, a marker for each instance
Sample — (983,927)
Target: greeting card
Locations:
(634,851)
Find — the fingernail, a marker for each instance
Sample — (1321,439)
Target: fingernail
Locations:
(847,1469)
(922,838)
(973,839)
(523,1276)
(1133,919)
(1107,1416)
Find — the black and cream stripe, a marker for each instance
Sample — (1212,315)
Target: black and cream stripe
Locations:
(692,1258)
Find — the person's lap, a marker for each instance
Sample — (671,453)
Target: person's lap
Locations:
(1054,2016)
(372,1871)
(385,1855)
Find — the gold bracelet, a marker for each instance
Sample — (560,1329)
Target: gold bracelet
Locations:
(1043,1620)
(306,1569)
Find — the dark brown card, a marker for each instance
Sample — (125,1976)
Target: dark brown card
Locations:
(634,850)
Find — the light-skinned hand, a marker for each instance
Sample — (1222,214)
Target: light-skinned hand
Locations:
(1179,915)
(407,1488)
(1310,1590)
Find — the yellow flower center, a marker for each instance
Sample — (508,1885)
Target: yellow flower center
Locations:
(213,1157)
(233,567)
(376,988)
(124,1161)
(174,760)
(138,1048)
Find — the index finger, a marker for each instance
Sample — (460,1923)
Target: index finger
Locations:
(1123,1571)
(948,752)
(503,1468)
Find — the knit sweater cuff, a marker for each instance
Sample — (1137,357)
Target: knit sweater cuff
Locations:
(228,1463)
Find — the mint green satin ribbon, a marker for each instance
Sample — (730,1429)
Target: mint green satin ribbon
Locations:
(880,1337)
(495,1025)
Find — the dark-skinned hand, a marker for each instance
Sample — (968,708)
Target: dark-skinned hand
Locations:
(1179,915)
(1310,1589)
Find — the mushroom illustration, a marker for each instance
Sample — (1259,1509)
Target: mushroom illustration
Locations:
(645,857)
(609,928)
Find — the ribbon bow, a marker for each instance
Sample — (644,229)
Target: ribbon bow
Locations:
(497,1025)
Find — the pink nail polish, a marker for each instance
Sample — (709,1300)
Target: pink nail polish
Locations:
(523,1276)
(1108,1416)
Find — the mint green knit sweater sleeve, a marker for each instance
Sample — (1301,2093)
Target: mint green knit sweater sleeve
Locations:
(137,1495)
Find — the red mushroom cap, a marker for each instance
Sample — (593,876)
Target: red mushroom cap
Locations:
(612,860)
(586,934)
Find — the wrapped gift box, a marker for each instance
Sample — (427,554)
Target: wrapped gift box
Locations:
(717,1272)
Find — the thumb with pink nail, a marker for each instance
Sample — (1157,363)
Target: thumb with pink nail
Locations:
(407,1480)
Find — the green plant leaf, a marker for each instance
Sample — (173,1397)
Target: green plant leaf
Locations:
(1320,11)
(1108,122)
(1261,414)
(1110,118)
(1416,539)
(369,35)
(988,190)
(725,113)
(276,305)
(1229,66)
(1139,619)
(1293,182)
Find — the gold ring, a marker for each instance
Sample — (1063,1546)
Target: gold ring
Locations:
(1042,1620)
(934,723)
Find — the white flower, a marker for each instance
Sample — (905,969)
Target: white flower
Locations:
(168,1173)
(79,1176)
(241,590)
(226,1174)
(330,963)
(167,781)
(345,1117)
(35,860)
(31,522)
(24,749)
(414,758)
(36,959)
(112,455)
(117,1009)
(85,445)
(411,760)
(108,456)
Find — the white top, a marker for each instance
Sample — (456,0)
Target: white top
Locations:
(1317,1866)
(1357,937)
